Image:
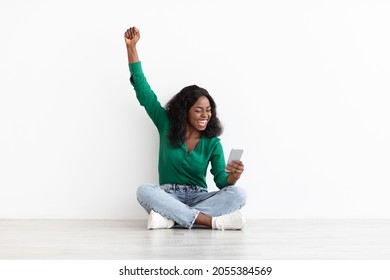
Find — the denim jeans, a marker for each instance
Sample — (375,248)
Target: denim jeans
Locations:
(182,204)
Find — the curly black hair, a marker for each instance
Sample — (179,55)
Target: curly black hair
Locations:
(177,110)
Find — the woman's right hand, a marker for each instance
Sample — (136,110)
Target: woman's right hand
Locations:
(132,36)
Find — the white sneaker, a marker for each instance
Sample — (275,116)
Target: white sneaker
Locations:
(156,221)
(233,220)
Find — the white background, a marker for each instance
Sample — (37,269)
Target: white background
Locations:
(302,86)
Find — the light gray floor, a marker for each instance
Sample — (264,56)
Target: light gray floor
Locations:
(129,239)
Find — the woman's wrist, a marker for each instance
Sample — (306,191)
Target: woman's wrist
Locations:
(231,179)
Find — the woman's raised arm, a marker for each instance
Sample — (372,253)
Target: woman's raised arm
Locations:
(132,36)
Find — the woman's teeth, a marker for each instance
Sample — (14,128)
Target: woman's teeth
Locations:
(202,123)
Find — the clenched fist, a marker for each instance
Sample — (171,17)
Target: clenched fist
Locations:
(132,36)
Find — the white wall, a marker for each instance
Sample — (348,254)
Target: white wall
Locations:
(302,86)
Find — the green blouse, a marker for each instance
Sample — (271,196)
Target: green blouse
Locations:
(176,165)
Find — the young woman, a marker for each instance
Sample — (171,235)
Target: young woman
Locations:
(188,127)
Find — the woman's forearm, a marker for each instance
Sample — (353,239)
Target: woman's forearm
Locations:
(132,54)
(132,35)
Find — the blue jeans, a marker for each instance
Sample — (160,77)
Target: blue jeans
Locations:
(182,204)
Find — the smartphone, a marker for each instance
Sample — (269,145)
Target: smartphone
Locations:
(235,154)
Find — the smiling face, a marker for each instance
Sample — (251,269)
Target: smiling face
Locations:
(199,114)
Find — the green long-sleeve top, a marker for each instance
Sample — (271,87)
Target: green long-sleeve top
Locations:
(176,165)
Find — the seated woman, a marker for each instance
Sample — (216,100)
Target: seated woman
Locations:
(188,127)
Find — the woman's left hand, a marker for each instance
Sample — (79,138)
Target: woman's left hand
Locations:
(235,169)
